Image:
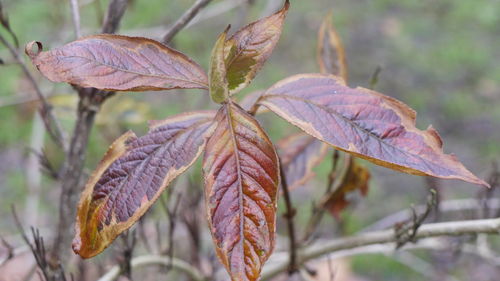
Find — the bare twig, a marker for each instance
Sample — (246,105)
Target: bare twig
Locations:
(448,206)
(75,15)
(116,10)
(129,242)
(51,123)
(407,232)
(148,260)
(289,215)
(38,251)
(335,179)
(322,248)
(184,20)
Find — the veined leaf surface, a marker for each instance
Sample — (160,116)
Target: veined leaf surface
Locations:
(241,182)
(365,123)
(133,174)
(118,63)
(299,154)
(250,47)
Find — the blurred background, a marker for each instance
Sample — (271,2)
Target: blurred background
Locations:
(442,58)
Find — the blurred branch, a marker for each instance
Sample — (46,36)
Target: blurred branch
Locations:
(448,206)
(116,10)
(148,260)
(455,228)
(75,15)
(184,20)
(289,215)
(51,123)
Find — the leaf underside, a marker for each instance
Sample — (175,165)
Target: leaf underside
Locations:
(299,154)
(119,63)
(365,123)
(241,181)
(250,47)
(132,175)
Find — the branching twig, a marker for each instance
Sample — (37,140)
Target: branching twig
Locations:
(184,20)
(407,232)
(455,228)
(148,260)
(38,251)
(51,123)
(289,215)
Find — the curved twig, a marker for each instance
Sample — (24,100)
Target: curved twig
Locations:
(184,20)
(147,260)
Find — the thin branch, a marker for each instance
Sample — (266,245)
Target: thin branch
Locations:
(322,248)
(75,15)
(449,206)
(290,213)
(184,20)
(51,123)
(148,260)
(116,10)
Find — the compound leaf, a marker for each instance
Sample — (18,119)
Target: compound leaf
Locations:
(365,123)
(241,182)
(133,174)
(249,48)
(118,63)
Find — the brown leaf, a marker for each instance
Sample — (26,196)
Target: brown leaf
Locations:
(241,182)
(118,63)
(250,47)
(365,123)
(355,180)
(133,174)
(299,154)
(217,76)
(330,50)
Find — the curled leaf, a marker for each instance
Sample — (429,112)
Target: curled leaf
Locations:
(217,75)
(330,50)
(133,174)
(250,47)
(365,123)
(241,182)
(118,63)
(299,154)
(354,182)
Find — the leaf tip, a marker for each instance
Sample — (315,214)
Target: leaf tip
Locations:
(30,51)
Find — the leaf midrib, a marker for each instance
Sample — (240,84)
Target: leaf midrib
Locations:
(138,73)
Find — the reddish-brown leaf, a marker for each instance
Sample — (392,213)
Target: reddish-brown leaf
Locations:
(355,181)
(250,47)
(133,174)
(365,123)
(118,63)
(241,182)
(299,154)
(330,50)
